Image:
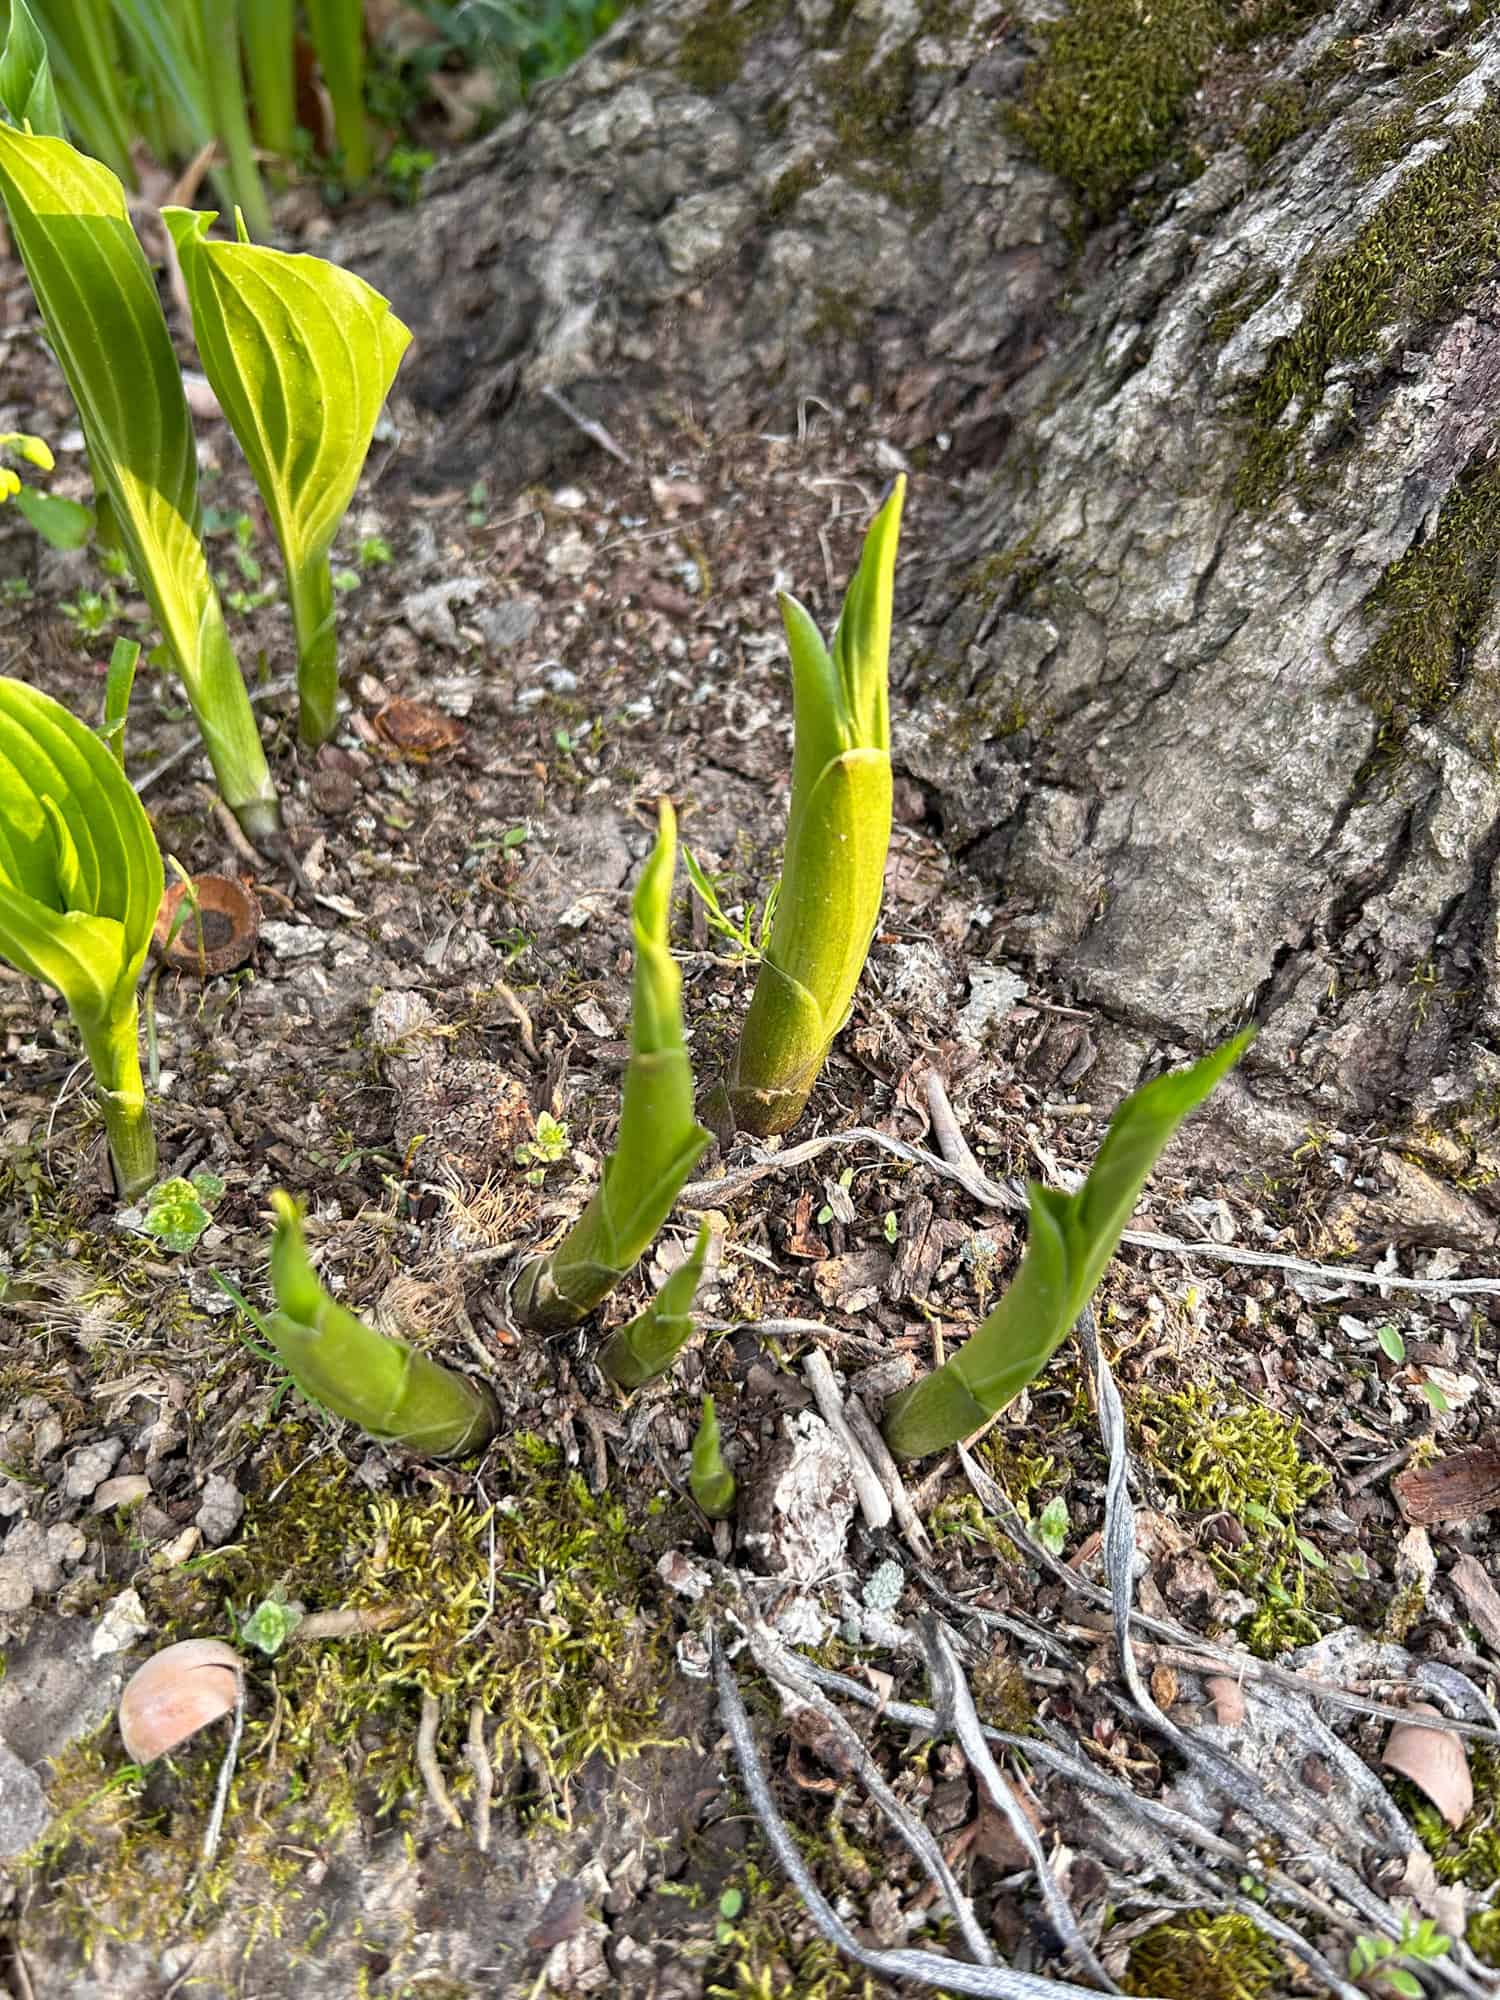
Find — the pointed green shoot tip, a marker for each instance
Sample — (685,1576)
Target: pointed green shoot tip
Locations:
(1070,1241)
(649,1345)
(710,1480)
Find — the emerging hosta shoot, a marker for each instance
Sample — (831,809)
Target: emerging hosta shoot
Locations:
(652,1341)
(710,1480)
(104,322)
(1071,1239)
(385,1387)
(80,885)
(301,356)
(838,832)
(659,1141)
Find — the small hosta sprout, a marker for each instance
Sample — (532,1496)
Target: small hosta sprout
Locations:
(80,884)
(710,1480)
(838,834)
(659,1141)
(652,1341)
(179,1691)
(1071,1239)
(391,1391)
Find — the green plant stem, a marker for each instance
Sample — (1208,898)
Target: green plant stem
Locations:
(647,1347)
(710,1480)
(338,34)
(220,29)
(310,588)
(231,735)
(115,1057)
(268,30)
(85,63)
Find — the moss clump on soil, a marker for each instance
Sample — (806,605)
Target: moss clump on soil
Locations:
(1470,1853)
(1379,145)
(1243,1461)
(1432,602)
(1434,236)
(871,105)
(1105,98)
(1283,113)
(1199,1956)
(765,1949)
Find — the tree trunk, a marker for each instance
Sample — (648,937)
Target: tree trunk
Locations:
(1207,681)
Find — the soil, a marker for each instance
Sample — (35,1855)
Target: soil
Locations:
(527,671)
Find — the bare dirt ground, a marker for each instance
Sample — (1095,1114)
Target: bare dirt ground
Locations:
(527,672)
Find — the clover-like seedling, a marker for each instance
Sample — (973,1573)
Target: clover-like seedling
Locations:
(179,1210)
(659,1140)
(838,834)
(650,1343)
(301,356)
(80,885)
(104,323)
(390,1390)
(1070,1241)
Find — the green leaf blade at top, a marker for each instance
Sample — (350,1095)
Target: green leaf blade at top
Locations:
(104,322)
(301,356)
(1070,1240)
(26,87)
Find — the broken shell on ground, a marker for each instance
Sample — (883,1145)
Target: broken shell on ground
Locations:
(415,729)
(230,918)
(178,1691)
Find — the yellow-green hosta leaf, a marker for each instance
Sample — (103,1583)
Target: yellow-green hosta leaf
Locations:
(301,356)
(390,1390)
(838,834)
(104,321)
(651,1342)
(80,886)
(1070,1241)
(659,1142)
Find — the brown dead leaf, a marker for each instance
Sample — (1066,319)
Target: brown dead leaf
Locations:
(1436,1763)
(1164,1685)
(802,1239)
(1451,1489)
(1481,1599)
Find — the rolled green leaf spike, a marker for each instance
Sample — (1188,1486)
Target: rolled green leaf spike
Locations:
(80,886)
(301,356)
(649,1345)
(1072,1237)
(711,1481)
(659,1141)
(385,1387)
(838,834)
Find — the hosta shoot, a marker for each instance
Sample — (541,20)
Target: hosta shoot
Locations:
(651,1342)
(659,1140)
(301,356)
(391,1391)
(838,834)
(710,1480)
(80,886)
(1070,1241)
(26,87)
(338,35)
(105,325)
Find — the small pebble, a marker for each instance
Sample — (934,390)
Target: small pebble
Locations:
(92,1465)
(221,1510)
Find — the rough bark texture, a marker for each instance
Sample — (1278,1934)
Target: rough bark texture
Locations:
(1208,680)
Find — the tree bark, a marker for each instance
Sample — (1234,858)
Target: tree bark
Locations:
(1208,679)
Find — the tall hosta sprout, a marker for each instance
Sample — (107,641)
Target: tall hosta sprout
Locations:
(1071,1239)
(105,325)
(651,1342)
(301,356)
(659,1140)
(80,886)
(388,1389)
(838,833)
(710,1480)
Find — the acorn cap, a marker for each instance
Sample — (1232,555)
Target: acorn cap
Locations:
(230,917)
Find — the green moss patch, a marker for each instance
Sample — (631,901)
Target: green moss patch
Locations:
(1200,1956)
(717,39)
(1427,245)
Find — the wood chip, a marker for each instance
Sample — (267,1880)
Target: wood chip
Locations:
(1480,1597)
(1457,1488)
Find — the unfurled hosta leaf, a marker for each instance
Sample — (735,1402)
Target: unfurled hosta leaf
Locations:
(710,1479)
(26,88)
(651,1342)
(838,833)
(659,1141)
(80,886)
(104,322)
(301,356)
(1071,1239)
(389,1389)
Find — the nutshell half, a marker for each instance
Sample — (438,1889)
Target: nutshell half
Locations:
(230,919)
(178,1691)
